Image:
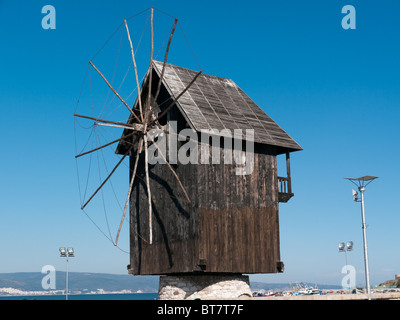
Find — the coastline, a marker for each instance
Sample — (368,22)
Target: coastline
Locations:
(85,296)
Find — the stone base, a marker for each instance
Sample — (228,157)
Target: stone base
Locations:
(204,287)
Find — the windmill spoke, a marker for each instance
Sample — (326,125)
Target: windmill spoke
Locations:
(165,60)
(146,166)
(169,166)
(147,112)
(105,145)
(134,126)
(136,73)
(117,124)
(177,98)
(140,121)
(115,92)
(100,120)
(130,189)
(104,182)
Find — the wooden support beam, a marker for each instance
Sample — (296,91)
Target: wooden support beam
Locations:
(165,60)
(130,189)
(115,92)
(131,126)
(101,120)
(172,170)
(104,182)
(146,166)
(289,181)
(134,126)
(105,145)
(177,98)
(136,73)
(147,112)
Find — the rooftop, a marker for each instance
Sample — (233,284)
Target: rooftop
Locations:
(214,103)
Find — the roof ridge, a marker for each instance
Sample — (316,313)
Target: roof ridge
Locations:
(204,74)
(221,98)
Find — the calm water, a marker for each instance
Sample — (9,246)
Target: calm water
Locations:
(125,296)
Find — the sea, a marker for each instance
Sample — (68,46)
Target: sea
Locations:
(114,296)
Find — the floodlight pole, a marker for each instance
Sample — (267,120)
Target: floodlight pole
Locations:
(346,247)
(345,252)
(66,253)
(364,227)
(66,285)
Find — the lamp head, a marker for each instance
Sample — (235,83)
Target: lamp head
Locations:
(349,245)
(63,252)
(70,252)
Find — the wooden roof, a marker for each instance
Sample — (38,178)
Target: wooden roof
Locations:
(218,103)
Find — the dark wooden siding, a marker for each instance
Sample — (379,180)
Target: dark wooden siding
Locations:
(230,225)
(175,220)
(244,240)
(174,224)
(238,216)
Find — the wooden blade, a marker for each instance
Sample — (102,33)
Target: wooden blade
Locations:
(165,60)
(169,166)
(134,126)
(147,112)
(130,190)
(115,92)
(136,73)
(177,98)
(105,145)
(101,120)
(148,190)
(104,182)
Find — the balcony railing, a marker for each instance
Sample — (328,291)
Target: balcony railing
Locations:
(285,189)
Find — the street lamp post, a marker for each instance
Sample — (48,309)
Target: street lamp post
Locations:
(361,183)
(66,253)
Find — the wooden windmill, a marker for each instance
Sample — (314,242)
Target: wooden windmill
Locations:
(196,218)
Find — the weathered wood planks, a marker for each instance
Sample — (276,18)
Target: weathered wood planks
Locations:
(231,224)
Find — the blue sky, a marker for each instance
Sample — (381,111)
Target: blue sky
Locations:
(335,91)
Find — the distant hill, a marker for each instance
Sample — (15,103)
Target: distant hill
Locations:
(79,281)
(391,283)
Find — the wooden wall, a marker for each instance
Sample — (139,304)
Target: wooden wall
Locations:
(231,224)
(238,217)
(244,240)
(175,229)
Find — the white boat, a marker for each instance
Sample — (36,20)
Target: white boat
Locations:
(307,290)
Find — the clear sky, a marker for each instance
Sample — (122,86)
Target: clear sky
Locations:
(335,91)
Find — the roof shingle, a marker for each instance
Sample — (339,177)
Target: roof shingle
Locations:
(218,103)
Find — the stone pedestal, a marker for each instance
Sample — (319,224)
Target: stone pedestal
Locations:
(204,287)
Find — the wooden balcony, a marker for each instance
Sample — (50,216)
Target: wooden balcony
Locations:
(285,183)
(285,189)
